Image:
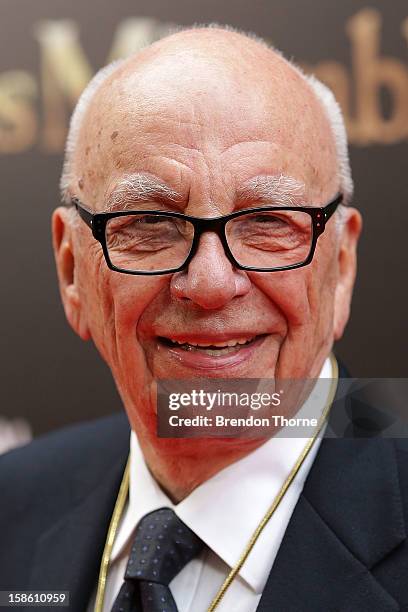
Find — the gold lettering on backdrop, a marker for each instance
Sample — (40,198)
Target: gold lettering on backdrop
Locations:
(135,33)
(18,119)
(364,118)
(404,28)
(372,72)
(65,71)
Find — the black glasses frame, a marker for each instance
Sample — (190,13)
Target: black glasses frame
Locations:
(97,223)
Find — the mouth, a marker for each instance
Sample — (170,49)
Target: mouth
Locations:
(212,348)
(210,353)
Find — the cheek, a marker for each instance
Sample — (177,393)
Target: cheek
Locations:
(132,295)
(114,303)
(96,296)
(126,298)
(289,291)
(304,296)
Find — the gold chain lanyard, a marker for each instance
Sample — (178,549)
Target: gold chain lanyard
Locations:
(124,489)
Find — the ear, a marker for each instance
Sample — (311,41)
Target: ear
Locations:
(64,253)
(347,266)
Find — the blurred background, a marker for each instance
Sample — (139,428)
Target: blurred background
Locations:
(49,49)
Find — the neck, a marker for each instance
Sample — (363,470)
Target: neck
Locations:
(179,466)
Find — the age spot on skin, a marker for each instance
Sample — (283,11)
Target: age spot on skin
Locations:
(114,135)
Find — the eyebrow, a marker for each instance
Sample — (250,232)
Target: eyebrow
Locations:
(134,188)
(278,189)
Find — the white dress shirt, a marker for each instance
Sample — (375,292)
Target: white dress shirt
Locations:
(223,511)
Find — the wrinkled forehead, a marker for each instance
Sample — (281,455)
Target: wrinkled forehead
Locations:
(190,100)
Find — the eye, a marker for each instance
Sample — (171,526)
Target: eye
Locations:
(135,221)
(152,219)
(268,218)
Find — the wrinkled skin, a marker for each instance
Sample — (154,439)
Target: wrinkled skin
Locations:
(203,111)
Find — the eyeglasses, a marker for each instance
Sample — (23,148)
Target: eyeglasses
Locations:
(262,239)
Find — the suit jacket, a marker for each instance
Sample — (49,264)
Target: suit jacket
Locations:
(345,548)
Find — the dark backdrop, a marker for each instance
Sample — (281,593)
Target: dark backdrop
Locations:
(48,51)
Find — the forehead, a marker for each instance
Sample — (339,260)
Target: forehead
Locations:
(185,116)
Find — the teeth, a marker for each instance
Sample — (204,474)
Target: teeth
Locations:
(229,343)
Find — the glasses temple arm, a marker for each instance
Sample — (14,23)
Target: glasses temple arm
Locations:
(85,214)
(330,209)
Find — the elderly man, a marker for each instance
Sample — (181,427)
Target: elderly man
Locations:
(164,263)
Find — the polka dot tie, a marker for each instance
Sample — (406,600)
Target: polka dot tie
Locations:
(163,545)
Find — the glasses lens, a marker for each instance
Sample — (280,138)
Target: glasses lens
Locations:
(146,242)
(270,239)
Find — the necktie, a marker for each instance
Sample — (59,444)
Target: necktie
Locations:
(163,545)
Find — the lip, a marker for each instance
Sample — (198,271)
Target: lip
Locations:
(199,361)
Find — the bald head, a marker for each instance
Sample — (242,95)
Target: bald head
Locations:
(204,81)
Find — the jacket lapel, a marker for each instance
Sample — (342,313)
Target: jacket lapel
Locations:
(348,518)
(68,554)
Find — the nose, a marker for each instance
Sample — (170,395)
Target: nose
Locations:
(210,281)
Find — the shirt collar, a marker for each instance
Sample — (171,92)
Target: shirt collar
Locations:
(243,491)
